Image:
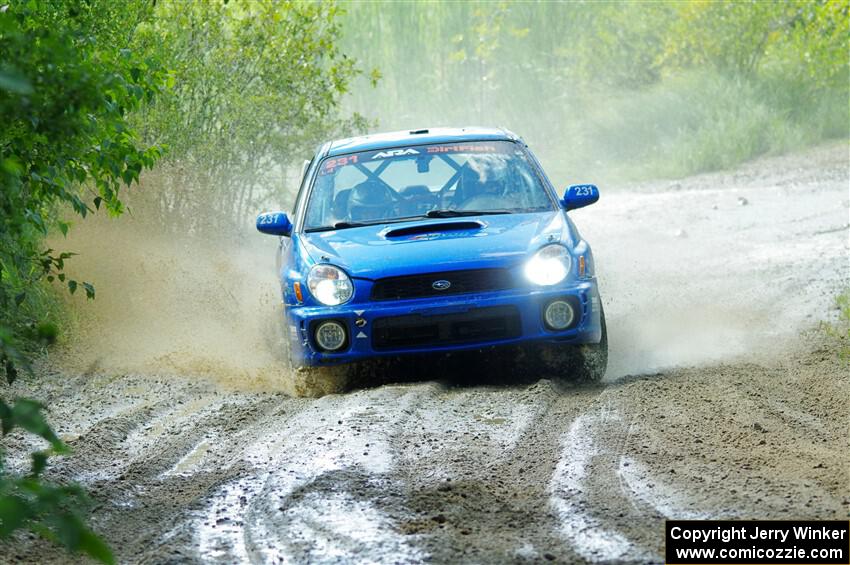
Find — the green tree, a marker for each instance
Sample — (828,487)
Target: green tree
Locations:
(617,44)
(612,90)
(254,87)
(730,36)
(803,37)
(815,47)
(67,84)
(477,48)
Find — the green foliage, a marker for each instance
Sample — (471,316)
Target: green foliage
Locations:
(613,90)
(729,36)
(701,121)
(240,91)
(53,511)
(254,87)
(68,81)
(617,45)
(840,330)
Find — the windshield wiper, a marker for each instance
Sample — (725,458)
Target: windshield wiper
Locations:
(344,225)
(338,226)
(429,214)
(458,213)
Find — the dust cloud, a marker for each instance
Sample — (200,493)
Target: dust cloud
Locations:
(722,267)
(170,304)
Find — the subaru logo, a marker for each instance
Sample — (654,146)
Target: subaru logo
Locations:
(441,285)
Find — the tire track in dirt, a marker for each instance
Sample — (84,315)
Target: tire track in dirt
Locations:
(587,468)
(316,477)
(455,464)
(470,473)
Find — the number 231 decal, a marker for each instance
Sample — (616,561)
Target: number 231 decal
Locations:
(266,219)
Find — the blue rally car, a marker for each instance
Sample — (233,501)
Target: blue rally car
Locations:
(437,240)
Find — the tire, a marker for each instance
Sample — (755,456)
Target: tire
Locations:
(313,382)
(584,363)
(592,358)
(307,381)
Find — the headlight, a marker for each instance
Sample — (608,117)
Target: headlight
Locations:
(329,285)
(548,266)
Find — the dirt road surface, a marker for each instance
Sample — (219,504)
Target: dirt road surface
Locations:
(722,401)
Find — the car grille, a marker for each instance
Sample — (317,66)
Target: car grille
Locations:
(462,282)
(477,325)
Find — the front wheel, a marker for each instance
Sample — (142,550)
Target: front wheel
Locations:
(313,382)
(581,363)
(592,358)
(304,381)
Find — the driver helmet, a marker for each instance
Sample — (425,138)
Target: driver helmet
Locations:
(480,179)
(370,200)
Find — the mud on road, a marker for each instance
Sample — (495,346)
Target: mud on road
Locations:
(722,401)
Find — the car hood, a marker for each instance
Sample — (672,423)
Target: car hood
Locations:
(435,245)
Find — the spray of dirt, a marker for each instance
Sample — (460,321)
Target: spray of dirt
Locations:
(174,305)
(722,267)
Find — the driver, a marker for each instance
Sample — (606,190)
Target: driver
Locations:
(478,182)
(370,200)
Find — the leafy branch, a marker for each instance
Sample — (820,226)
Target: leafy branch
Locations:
(30,502)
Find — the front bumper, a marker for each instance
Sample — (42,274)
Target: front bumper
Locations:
(454,323)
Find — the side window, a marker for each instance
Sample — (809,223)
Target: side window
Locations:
(302,189)
(305,166)
(322,198)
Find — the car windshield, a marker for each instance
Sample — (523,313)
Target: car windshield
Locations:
(442,180)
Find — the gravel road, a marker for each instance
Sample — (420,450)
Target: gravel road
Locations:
(722,401)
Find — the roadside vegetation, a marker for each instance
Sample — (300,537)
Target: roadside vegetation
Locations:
(66,86)
(225,96)
(613,91)
(252,88)
(840,329)
(205,110)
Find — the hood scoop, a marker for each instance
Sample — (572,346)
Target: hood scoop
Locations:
(436,227)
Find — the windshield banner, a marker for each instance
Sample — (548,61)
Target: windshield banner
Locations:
(331,165)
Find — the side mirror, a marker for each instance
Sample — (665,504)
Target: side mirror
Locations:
(579,196)
(274,223)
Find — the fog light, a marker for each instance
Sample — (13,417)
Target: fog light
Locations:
(330,336)
(558,315)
